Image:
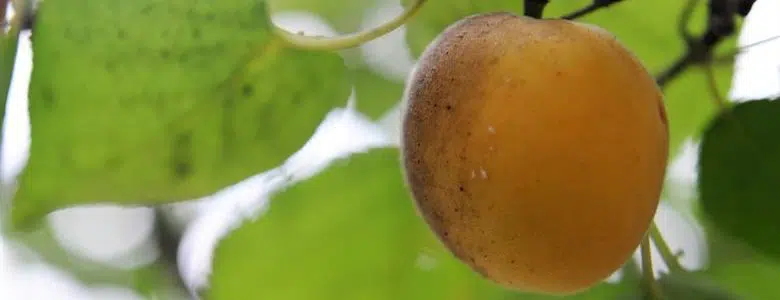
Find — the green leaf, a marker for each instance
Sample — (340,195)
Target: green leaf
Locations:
(740,268)
(647,28)
(739,169)
(375,94)
(684,286)
(749,279)
(351,232)
(153,101)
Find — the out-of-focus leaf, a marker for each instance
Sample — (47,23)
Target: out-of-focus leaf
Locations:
(682,286)
(739,268)
(739,174)
(647,28)
(152,101)
(750,279)
(375,94)
(351,232)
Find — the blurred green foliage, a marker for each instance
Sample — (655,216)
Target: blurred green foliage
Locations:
(202,89)
(740,174)
(137,74)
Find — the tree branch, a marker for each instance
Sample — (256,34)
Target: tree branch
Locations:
(168,238)
(3,8)
(720,24)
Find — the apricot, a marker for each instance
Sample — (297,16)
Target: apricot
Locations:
(534,149)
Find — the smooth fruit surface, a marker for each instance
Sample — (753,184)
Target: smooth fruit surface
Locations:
(534,149)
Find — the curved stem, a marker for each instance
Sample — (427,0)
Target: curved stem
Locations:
(350,40)
(713,84)
(647,270)
(669,257)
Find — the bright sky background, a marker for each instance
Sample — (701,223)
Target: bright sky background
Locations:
(121,236)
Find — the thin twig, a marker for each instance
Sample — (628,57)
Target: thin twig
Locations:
(728,57)
(671,260)
(718,100)
(596,5)
(647,270)
(720,24)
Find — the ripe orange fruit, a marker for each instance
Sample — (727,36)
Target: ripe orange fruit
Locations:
(534,149)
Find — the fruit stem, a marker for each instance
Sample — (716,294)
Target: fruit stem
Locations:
(596,5)
(647,270)
(534,8)
(671,260)
(351,40)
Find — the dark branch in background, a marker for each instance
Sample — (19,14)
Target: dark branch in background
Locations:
(745,6)
(597,4)
(720,24)
(168,237)
(29,19)
(534,8)
(3,8)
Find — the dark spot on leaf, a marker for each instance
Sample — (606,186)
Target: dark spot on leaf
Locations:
(165,54)
(196,33)
(66,157)
(181,159)
(47,97)
(460,188)
(184,57)
(228,133)
(449,107)
(246,90)
(68,33)
(147,9)
(110,66)
(121,34)
(113,163)
(296,99)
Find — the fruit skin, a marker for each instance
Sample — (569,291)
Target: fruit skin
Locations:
(534,149)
